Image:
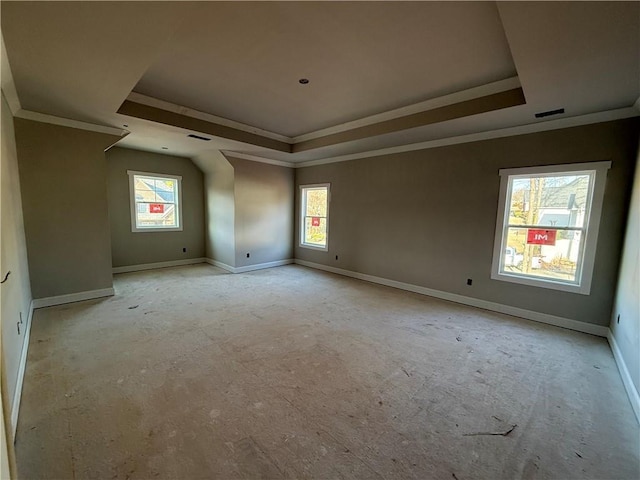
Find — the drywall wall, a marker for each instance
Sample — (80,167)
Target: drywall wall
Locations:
(16,291)
(263,212)
(428,217)
(64,198)
(625,324)
(137,248)
(219,207)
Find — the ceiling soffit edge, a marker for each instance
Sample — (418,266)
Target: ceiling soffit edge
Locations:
(158,115)
(67,122)
(486,98)
(558,124)
(568,122)
(431,104)
(466,108)
(8,83)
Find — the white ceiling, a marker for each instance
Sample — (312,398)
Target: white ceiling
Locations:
(242,60)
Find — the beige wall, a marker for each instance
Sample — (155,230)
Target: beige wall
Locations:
(626,329)
(219,208)
(249,209)
(16,292)
(264,212)
(428,217)
(136,248)
(64,198)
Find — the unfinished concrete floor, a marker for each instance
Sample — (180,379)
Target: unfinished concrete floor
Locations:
(190,373)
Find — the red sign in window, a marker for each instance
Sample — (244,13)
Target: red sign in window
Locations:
(156,208)
(315,221)
(541,237)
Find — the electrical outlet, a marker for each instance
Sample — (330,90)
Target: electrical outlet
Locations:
(184,249)
(469,281)
(248,255)
(336,257)
(618,320)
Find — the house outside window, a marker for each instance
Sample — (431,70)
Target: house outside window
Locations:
(314,221)
(547,225)
(155,202)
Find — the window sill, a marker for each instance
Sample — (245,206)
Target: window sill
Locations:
(542,283)
(314,247)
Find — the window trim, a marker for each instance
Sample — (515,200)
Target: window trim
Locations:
(302,215)
(584,273)
(133,203)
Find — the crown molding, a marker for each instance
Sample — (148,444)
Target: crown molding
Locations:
(438,102)
(256,158)
(67,122)
(8,85)
(434,103)
(561,123)
(190,112)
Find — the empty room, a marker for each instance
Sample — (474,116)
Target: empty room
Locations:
(320,240)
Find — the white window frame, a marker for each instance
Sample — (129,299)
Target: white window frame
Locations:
(132,201)
(584,272)
(303,209)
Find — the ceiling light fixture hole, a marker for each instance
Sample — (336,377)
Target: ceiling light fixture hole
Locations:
(304,81)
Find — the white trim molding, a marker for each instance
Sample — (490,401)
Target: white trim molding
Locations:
(544,126)
(562,322)
(249,268)
(261,266)
(72,297)
(221,265)
(153,266)
(632,391)
(22,366)
(256,158)
(7,82)
(437,102)
(207,117)
(67,122)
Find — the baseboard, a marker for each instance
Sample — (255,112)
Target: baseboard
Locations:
(72,297)
(249,268)
(152,266)
(260,266)
(17,396)
(631,389)
(224,266)
(583,327)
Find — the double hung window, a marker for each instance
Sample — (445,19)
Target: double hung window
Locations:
(155,202)
(314,220)
(547,225)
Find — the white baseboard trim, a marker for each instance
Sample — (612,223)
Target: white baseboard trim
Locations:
(224,266)
(249,268)
(260,266)
(583,327)
(22,366)
(631,389)
(72,297)
(151,266)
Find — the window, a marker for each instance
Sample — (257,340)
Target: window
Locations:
(314,216)
(547,226)
(155,202)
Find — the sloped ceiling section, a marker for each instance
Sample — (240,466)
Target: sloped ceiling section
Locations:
(380,74)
